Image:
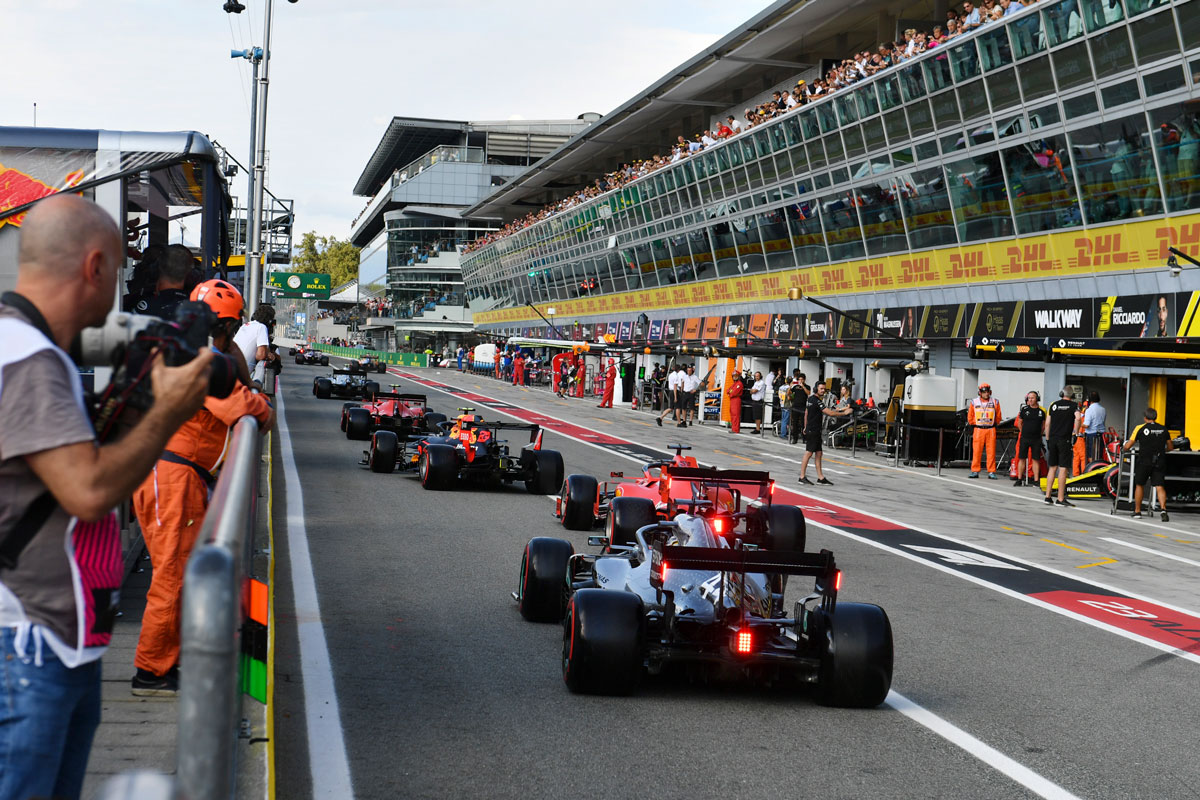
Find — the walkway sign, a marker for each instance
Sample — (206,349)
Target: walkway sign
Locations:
(310,285)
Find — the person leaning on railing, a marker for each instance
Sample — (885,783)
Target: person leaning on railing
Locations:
(60,544)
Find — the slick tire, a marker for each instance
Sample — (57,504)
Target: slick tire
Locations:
(786,529)
(438,467)
(856,667)
(370,389)
(542,587)
(626,515)
(345,411)
(300,360)
(547,472)
(381,367)
(432,418)
(384,446)
(323,389)
(324,361)
(579,494)
(358,424)
(602,642)
(1108,482)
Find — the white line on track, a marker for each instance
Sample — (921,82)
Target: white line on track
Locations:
(326,742)
(1152,550)
(825,467)
(985,753)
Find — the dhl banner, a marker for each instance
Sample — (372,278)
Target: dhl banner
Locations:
(1123,247)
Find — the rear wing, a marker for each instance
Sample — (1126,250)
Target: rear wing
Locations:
(744,477)
(720,559)
(410,399)
(344,372)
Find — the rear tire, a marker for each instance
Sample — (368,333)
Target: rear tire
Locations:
(323,389)
(579,495)
(1108,482)
(602,642)
(358,424)
(856,667)
(381,368)
(547,472)
(324,361)
(786,529)
(346,410)
(626,515)
(542,591)
(384,446)
(438,467)
(300,360)
(432,418)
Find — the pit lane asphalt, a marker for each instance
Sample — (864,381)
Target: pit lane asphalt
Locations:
(445,691)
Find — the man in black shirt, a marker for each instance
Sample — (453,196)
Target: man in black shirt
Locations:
(1153,443)
(1062,429)
(798,397)
(173,269)
(814,414)
(1032,422)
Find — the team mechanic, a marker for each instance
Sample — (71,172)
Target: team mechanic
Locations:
(171,502)
(60,549)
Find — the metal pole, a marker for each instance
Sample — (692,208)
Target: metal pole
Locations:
(255,57)
(254,263)
(941,435)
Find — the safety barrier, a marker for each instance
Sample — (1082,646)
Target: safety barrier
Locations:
(216,603)
(392,359)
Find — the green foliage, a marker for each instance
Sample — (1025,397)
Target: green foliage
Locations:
(327,254)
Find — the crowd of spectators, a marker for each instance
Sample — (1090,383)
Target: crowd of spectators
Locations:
(850,71)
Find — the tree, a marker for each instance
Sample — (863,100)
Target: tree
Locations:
(326,254)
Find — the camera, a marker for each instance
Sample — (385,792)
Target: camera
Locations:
(129,343)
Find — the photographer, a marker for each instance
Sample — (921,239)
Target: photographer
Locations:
(171,502)
(60,551)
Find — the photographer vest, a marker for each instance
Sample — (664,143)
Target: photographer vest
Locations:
(60,588)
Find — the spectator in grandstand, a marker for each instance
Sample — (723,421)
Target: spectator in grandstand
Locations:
(724,131)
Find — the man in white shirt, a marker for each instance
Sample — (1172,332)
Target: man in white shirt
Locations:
(673,395)
(253,339)
(707,139)
(690,385)
(736,124)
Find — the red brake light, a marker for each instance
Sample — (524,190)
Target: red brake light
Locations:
(719,525)
(743,642)
(664,573)
(837,581)
(772,488)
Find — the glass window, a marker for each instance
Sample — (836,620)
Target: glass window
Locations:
(867,104)
(995,49)
(826,117)
(937,72)
(808,240)
(855,146)
(1189,24)
(926,150)
(722,154)
(767,165)
(1116,170)
(883,228)
(896,126)
(1194,68)
(903,158)
(965,61)
(1154,38)
(927,209)
(920,120)
(1064,21)
(791,129)
(1138,6)
(1177,140)
(1111,53)
(911,82)
(1027,36)
(754,175)
(1098,14)
(842,230)
(979,199)
(820,180)
(808,123)
(834,149)
(762,144)
(1080,106)
(839,175)
(1072,67)
(1002,89)
(734,151)
(847,111)
(791,163)
(1120,94)
(816,154)
(749,148)
(1163,81)
(1035,78)
(889,91)
(873,135)
(981,133)
(954,141)
(945,110)
(1041,117)
(1041,186)
(1011,124)
(724,248)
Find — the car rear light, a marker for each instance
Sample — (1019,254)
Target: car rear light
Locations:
(719,525)
(743,642)
(837,581)
(772,491)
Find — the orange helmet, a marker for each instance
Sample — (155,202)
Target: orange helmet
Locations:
(221,297)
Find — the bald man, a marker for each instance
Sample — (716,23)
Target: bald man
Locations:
(60,549)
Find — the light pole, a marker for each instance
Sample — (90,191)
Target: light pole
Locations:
(254,55)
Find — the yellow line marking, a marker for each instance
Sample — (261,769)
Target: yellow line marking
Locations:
(647,424)
(601,419)
(1098,563)
(735,455)
(852,464)
(1069,547)
(1024,533)
(1005,528)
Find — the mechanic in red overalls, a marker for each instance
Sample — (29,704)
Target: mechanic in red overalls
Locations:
(519,368)
(735,390)
(984,413)
(610,384)
(497,362)
(171,502)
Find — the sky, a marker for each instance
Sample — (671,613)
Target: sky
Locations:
(340,70)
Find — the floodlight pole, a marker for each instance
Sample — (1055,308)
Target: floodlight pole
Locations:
(258,170)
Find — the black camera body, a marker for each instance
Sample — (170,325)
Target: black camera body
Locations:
(129,344)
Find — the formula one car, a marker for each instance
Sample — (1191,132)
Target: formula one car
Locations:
(365,364)
(584,502)
(473,450)
(401,415)
(700,591)
(344,383)
(309,356)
